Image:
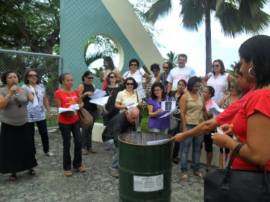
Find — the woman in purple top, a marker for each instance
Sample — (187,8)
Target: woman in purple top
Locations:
(156,123)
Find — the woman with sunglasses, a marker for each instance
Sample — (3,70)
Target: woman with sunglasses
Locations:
(16,145)
(138,74)
(35,109)
(218,79)
(128,97)
(69,122)
(112,90)
(86,89)
(108,68)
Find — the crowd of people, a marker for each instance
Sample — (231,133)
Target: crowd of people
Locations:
(237,103)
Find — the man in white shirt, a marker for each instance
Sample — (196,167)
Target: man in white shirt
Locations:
(180,72)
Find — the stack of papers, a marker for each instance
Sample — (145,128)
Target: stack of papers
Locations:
(131,105)
(157,142)
(100,101)
(71,108)
(98,94)
(169,106)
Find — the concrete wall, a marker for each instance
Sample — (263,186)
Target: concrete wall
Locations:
(81,19)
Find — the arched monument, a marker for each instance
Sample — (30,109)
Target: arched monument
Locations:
(81,19)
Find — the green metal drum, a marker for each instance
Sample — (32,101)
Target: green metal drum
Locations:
(145,170)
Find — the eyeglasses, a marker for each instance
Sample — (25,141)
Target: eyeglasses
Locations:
(215,65)
(130,84)
(90,77)
(32,75)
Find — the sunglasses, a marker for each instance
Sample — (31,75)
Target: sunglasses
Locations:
(130,84)
(90,77)
(112,77)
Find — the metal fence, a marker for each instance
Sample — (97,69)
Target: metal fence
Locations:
(49,67)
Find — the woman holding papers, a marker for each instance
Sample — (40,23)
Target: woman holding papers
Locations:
(128,98)
(193,112)
(156,122)
(86,90)
(16,145)
(68,121)
(36,109)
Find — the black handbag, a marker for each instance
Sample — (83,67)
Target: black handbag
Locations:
(227,185)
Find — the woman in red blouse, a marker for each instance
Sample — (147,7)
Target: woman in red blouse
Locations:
(68,122)
(251,124)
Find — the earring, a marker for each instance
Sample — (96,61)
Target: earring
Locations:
(251,71)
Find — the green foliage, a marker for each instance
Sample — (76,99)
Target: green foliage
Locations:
(172,57)
(29,25)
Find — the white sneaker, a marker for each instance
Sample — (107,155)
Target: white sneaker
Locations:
(49,154)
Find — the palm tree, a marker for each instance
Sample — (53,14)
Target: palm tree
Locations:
(235,16)
(172,57)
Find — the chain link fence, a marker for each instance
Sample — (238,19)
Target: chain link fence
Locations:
(48,67)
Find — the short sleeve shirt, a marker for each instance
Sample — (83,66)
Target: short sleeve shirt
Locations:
(220,84)
(126,98)
(67,99)
(228,114)
(258,101)
(36,111)
(178,73)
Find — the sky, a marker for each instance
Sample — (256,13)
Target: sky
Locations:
(173,37)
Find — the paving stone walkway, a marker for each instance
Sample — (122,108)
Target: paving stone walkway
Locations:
(96,185)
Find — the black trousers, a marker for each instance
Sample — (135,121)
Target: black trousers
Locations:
(66,130)
(43,131)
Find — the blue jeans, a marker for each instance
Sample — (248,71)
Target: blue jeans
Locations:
(196,152)
(115,158)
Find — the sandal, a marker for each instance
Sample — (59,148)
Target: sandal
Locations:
(12,177)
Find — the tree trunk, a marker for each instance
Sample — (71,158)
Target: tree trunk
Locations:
(208,46)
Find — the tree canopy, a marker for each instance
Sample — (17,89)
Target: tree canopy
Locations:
(32,25)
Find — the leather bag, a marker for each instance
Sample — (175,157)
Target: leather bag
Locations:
(227,185)
(86,119)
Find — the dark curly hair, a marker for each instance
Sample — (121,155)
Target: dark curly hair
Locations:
(5,75)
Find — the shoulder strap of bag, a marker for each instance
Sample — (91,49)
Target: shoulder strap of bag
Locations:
(235,153)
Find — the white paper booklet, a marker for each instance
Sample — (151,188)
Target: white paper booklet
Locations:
(131,105)
(98,94)
(100,101)
(71,108)
(169,106)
